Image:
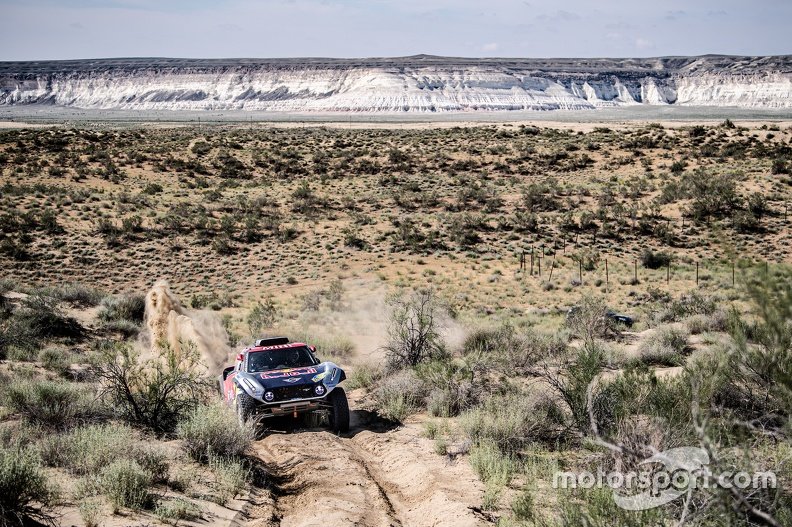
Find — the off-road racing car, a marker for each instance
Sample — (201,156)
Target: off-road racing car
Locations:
(276,377)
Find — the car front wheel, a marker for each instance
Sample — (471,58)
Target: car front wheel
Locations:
(245,406)
(339,414)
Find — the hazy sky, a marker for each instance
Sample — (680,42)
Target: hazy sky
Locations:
(63,29)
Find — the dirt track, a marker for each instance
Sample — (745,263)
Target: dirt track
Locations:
(373,476)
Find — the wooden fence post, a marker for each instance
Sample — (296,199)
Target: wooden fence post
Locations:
(635,271)
(580,270)
(552,266)
(532,260)
(607,275)
(697,273)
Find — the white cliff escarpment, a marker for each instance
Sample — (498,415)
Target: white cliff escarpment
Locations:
(410,84)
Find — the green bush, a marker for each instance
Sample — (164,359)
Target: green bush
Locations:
(38,319)
(685,306)
(492,465)
(512,349)
(665,345)
(655,260)
(90,511)
(589,321)
(50,403)
(571,383)
(86,450)
(23,485)
(126,484)
(453,386)
(718,321)
(596,508)
(363,376)
(76,294)
(399,395)
(327,346)
(214,430)
(55,359)
(173,510)
(523,506)
(511,421)
(231,477)
(414,329)
(130,307)
(155,393)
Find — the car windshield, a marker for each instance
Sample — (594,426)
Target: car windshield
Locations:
(279,359)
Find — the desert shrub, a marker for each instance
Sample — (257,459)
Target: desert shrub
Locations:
(126,484)
(512,349)
(491,465)
(413,329)
(700,323)
(686,305)
(364,376)
(154,393)
(86,450)
(488,339)
(571,382)
(76,294)
(128,306)
(511,421)
(757,373)
(55,359)
(711,195)
(173,510)
(214,430)
(757,204)
(399,395)
(327,345)
(595,508)
(23,486)
(453,386)
(38,319)
(50,403)
(588,320)
(655,260)
(780,166)
(231,477)
(262,315)
(665,345)
(125,328)
(90,510)
(523,506)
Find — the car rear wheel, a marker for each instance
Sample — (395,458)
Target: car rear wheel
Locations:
(339,414)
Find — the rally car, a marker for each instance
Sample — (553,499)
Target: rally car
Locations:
(276,377)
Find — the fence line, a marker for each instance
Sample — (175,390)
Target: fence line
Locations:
(530,265)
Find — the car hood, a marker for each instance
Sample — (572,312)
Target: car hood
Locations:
(289,376)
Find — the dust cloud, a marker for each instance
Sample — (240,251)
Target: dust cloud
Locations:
(169,322)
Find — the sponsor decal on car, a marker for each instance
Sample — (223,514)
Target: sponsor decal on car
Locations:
(292,372)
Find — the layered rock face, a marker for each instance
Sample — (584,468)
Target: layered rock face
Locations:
(409,84)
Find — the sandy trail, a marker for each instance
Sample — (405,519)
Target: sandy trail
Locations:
(373,477)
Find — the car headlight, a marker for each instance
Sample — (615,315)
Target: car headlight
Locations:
(269,396)
(250,385)
(319,389)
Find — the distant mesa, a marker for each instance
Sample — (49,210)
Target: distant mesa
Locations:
(420,83)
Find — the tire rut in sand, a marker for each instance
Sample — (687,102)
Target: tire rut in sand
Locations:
(371,479)
(320,480)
